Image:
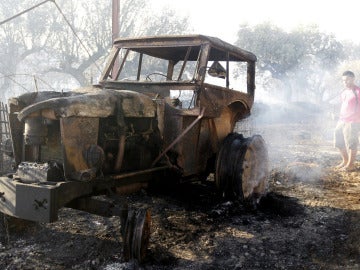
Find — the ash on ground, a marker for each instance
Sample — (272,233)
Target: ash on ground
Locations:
(309,219)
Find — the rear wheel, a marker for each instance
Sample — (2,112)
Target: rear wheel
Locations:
(242,168)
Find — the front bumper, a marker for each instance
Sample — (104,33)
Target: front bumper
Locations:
(38,201)
(41,201)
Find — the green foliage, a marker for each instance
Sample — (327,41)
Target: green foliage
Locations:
(300,59)
(275,49)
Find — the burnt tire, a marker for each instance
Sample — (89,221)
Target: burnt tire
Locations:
(136,234)
(242,168)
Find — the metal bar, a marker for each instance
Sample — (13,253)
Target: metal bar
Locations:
(109,67)
(115,19)
(115,26)
(25,11)
(179,137)
(227,70)
(125,175)
(121,65)
(185,61)
(98,207)
(139,67)
(251,78)
(202,62)
(120,155)
(170,70)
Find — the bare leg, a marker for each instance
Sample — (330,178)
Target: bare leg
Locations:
(345,158)
(351,161)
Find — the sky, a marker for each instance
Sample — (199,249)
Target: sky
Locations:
(222,18)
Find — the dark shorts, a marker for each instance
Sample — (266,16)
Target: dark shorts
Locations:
(347,135)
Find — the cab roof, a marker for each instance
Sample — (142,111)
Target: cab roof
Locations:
(174,47)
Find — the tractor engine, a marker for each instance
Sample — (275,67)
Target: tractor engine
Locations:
(83,136)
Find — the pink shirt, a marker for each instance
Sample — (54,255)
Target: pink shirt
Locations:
(350,106)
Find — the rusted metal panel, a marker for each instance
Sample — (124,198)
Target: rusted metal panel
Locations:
(27,201)
(181,133)
(190,144)
(84,102)
(39,201)
(77,135)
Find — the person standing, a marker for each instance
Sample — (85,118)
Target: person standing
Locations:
(348,127)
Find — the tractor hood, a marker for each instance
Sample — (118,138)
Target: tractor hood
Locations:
(86,102)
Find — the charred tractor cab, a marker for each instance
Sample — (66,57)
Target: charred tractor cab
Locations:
(164,105)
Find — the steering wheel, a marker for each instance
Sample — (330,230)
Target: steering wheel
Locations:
(154,73)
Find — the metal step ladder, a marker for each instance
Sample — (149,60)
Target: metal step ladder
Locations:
(5,138)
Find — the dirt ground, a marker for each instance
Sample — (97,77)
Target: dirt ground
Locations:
(309,219)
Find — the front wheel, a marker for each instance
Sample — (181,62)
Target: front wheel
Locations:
(242,168)
(136,234)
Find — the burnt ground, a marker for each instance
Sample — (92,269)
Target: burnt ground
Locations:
(309,219)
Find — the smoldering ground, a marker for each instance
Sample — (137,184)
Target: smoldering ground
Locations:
(307,220)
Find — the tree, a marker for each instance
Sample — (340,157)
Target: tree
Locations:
(323,55)
(19,38)
(45,40)
(300,59)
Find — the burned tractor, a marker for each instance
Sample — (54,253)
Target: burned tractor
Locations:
(165,106)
